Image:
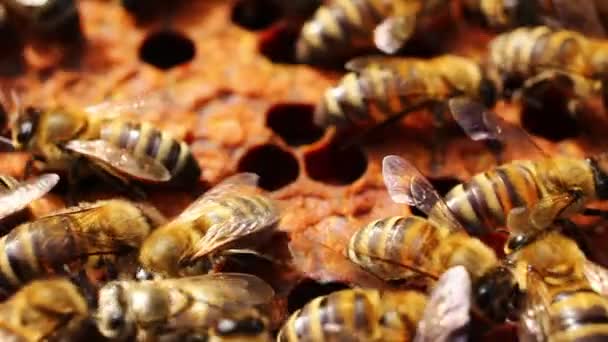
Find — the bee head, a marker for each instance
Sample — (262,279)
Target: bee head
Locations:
(113,319)
(496,294)
(599,167)
(25,127)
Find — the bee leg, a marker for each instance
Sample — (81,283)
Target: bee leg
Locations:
(30,166)
(439,141)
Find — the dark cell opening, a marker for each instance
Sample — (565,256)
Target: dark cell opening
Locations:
(444,184)
(335,164)
(166,49)
(275,166)
(255,14)
(294,123)
(278,44)
(545,112)
(308,290)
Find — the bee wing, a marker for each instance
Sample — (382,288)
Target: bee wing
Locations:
(230,184)
(597,276)
(137,105)
(534,319)
(581,16)
(226,288)
(57,239)
(406,184)
(104,153)
(24,193)
(233,229)
(446,314)
(481,124)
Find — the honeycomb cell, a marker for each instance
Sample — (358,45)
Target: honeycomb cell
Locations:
(294,123)
(278,44)
(545,113)
(167,49)
(275,166)
(335,164)
(255,15)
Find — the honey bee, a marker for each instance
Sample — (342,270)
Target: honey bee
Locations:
(541,54)
(16,196)
(418,250)
(223,303)
(342,29)
(43,310)
(583,16)
(382,315)
(526,196)
(233,217)
(561,303)
(110,145)
(380,88)
(62,241)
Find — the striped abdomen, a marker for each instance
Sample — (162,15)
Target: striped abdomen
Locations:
(483,203)
(340,30)
(36,249)
(578,316)
(356,315)
(145,139)
(354,312)
(378,93)
(401,240)
(528,51)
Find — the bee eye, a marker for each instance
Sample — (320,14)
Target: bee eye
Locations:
(517,242)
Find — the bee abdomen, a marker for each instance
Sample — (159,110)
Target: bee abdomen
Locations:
(370,97)
(398,240)
(334,26)
(352,311)
(579,316)
(144,139)
(484,202)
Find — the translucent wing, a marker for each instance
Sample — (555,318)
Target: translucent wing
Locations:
(406,184)
(534,319)
(220,289)
(234,183)
(597,277)
(581,16)
(481,124)
(446,315)
(137,105)
(235,228)
(69,235)
(24,193)
(121,160)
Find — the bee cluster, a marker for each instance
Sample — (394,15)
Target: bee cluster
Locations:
(201,192)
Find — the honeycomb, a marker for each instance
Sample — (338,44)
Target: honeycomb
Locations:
(232,90)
